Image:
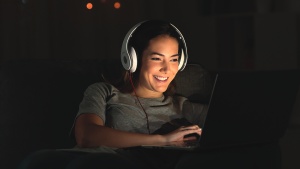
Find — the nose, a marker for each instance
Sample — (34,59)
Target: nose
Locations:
(165,67)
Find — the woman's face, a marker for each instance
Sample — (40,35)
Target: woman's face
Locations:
(159,66)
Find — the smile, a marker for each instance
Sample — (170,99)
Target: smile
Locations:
(161,78)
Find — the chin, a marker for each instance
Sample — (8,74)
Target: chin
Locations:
(161,90)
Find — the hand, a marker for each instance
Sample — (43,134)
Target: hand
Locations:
(180,133)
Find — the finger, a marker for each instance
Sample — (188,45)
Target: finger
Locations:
(192,131)
(193,127)
(190,138)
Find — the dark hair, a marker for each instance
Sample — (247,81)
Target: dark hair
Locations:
(139,41)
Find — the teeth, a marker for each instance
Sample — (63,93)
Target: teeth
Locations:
(161,78)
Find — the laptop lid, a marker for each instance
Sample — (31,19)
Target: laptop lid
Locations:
(250,107)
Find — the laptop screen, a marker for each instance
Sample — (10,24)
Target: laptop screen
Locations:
(250,107)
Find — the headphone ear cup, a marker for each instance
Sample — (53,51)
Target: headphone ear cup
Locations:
(182,60)
(133,60)
(126,60)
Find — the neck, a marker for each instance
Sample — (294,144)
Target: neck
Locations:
(146,94)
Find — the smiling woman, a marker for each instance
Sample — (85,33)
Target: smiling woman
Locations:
(114,117)
(159,67)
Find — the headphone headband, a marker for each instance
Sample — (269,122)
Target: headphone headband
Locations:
(129,58)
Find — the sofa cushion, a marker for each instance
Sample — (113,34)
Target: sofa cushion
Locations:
(195,83)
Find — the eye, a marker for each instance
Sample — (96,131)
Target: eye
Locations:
(174,60)
(155,58)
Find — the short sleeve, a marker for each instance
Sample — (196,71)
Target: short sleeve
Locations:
(94,100)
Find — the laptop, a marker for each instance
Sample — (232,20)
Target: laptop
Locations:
(245,108)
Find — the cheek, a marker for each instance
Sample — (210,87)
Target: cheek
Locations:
(174,68)
(151,67)
(173,73)
(148,70)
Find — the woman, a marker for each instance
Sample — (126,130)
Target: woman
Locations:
(107,112)
(115,116)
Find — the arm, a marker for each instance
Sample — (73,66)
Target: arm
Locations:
(91,132)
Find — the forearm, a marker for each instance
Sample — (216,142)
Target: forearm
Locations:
(96,135)
(91,132)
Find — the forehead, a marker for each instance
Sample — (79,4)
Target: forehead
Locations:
(163,41)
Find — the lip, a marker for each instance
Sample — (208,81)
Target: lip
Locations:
(161,78)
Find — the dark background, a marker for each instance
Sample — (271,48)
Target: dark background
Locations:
(220,35)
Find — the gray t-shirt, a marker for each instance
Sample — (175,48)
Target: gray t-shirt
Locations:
(122,111)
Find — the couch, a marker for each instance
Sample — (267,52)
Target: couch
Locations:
(40,98)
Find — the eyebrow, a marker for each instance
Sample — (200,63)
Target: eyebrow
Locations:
(159,54)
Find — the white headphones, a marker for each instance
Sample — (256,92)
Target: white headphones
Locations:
(129,58)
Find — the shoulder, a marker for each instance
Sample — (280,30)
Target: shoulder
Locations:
(175,100)
(101,87)
(179,99)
